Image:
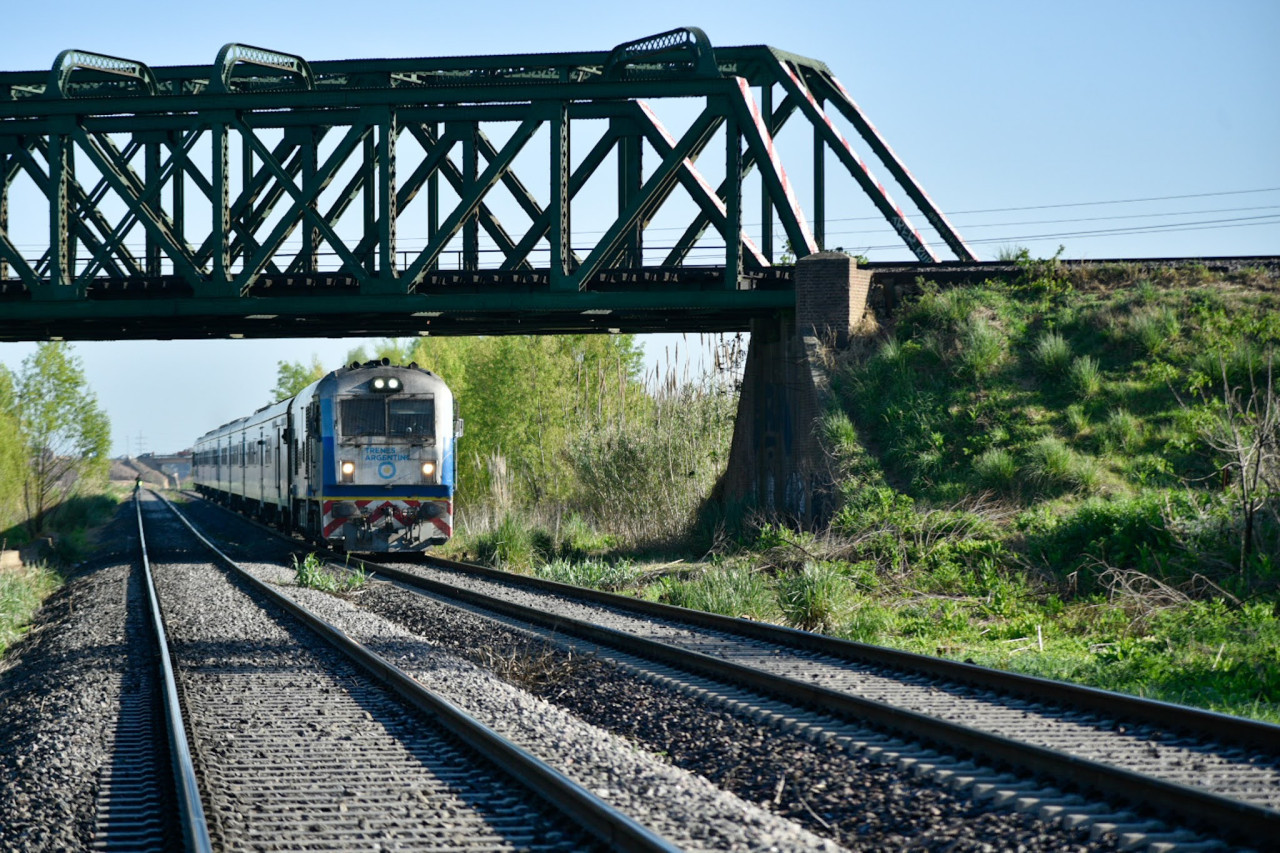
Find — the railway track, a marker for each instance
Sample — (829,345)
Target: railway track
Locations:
(1196,768)
(1147,773)
(305,745)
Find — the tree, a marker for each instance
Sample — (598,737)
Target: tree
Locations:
(1248,436)
(293,376)
(65,435)
(13,458)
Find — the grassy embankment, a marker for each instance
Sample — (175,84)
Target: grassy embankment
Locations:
(1035,475)
(23,589)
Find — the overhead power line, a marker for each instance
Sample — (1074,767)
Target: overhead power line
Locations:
(1171,228)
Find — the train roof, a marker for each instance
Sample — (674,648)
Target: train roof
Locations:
(333,376)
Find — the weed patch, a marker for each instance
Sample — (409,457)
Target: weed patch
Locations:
(22,590)
(312,573)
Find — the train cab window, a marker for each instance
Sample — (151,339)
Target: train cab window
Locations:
(407,416)
(363,416)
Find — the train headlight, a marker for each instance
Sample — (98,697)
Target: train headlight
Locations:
(348,469)
(379,384)
(393,384)
(428,470)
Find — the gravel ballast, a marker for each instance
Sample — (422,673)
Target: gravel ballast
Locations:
(60,691)
(695,771)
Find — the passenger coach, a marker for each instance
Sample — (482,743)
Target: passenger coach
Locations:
(361,460)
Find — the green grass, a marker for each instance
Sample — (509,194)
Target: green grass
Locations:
(1203,653)
(594,573)
(22,590)
(1051,355)
(311,572)
(1026,481)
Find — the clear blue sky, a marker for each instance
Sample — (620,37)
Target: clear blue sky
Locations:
(992,105)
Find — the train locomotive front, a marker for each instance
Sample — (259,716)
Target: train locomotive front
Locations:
(361,460)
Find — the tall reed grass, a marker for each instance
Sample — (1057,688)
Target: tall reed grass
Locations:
(641,456)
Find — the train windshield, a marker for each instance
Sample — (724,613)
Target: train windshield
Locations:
(389,416)
(363,416)
(409,416)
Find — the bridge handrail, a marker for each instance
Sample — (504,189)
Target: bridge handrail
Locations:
(70,60)
(685,52)
(234,53)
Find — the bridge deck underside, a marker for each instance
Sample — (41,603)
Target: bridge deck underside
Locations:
(651,299)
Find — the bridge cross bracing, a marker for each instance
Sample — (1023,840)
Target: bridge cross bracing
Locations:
(262,195)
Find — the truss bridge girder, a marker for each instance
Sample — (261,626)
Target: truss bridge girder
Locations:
(265,195)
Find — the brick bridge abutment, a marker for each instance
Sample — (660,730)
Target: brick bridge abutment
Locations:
(777,466)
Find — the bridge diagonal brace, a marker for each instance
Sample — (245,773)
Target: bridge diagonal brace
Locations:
(258,200)
(87,205)
(528,203)
(127,189)
(468,204)
(437,151)
(701,221)
(79,199)
(834,92)
(141,191)
(441,162)
(542,225)
(775,177)
(870,185)
(301,206)
(189,168)
(168,168)
(710,203)
(355,184)
(10,254)
(9,169)
(652,193)
(243,224)
(102,257)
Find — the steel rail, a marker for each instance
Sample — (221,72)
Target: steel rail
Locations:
(195,829)
(1181,802)
(612,828)
(1243,731)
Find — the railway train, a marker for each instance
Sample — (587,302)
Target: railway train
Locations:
(361,460)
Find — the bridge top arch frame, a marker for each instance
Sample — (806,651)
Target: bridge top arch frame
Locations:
(154,232)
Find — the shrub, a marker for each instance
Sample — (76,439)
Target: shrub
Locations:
(1242,360)
(310,572)
(1125,533)
(941,309)
(866,623)
(1049,464)
(578,539)
(645,475)
(1077,419)
(21,592)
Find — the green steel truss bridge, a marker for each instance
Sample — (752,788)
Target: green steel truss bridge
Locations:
(261,196)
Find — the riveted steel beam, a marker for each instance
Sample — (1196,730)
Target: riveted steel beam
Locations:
(263,176)
(836,94)
(825,130)
(471,200)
